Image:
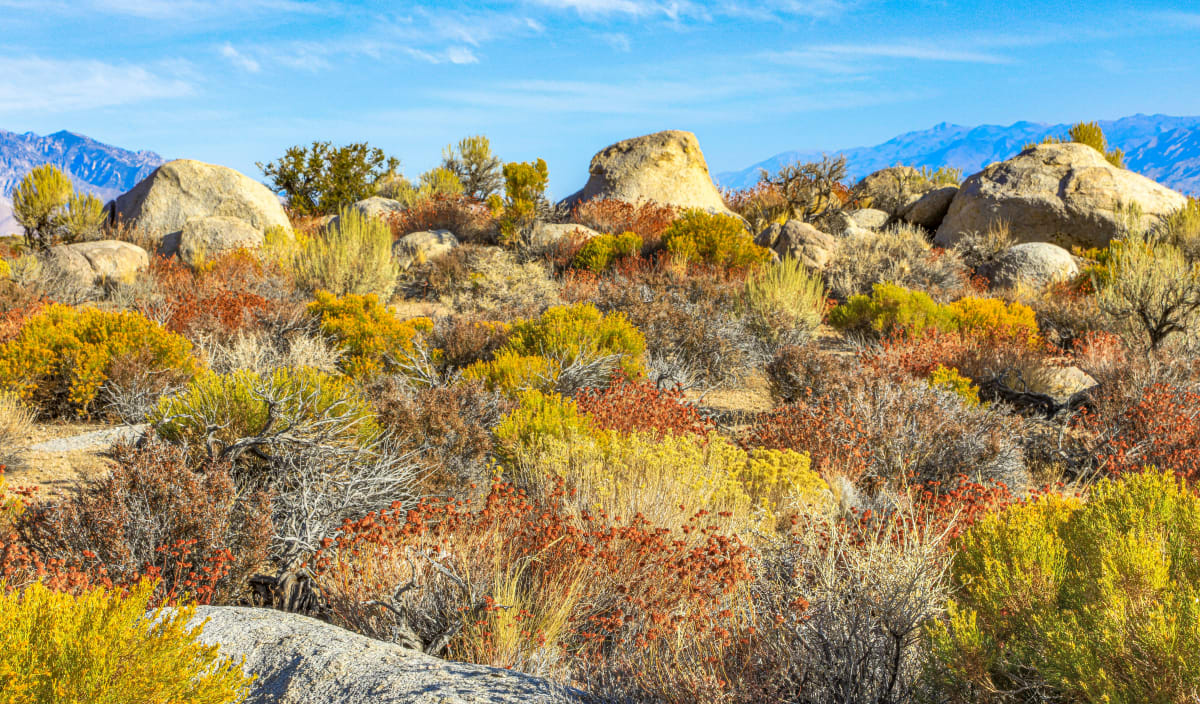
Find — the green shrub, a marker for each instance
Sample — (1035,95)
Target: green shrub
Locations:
(538,419)
(892,309)
(103,647)
(786,302)
(235,406)
(579,333)
(599,252)
(1093,602)
(984,317)
(374,339)
(477,168)
(47,206)
(511,372)
(524,201)
(1151,291)
(353,256)
(324,179)
(62,355)
(1182,229)
(712,238)
(1089,133)
(431,184)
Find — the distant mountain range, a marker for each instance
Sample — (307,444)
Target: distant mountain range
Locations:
(1165,148)
(94,167)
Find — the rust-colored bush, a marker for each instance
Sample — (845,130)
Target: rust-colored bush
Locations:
(469,219)
(611,216)
(1159,427)
(639,406)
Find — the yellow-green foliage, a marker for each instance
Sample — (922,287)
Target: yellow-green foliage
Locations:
(712,238)
(1182,229)
(992,316)
(103,647)
(567,334)
(786,296)
(948,379)
(1152,291)
(669,479)
(524,189)
(1093,602)
(62,355)
(353,256)
(5,269)
(599,252)
(1089,133)
(374,339)
(892,309)
(511,372)
(47,206)
(540,418)
(233,403)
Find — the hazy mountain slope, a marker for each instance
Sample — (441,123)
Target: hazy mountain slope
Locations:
(95,167)
(1162,147)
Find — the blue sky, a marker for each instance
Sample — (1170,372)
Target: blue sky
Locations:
(238,81)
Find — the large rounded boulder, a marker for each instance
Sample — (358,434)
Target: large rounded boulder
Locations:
(801,241)
(1067,194)
(667,168)
(1032,264)
(163,202)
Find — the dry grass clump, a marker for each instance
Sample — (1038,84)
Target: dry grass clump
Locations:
(900,255)
(16,420)
(352,256)
(472,279)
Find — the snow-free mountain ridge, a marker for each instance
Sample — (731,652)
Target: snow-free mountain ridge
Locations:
(1162,147)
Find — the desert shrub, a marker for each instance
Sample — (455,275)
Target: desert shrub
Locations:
(1159,425)
(1091,134)
(5,269)
(993,318)
(464,340)
(353,256)
(47,206)
(511,372)
(978,248)
(103,647)
(477,168)
(16,420)
(578,331)
(63,355)
(324,179)
(469,220)
(524,201)
(1057,600)
(155,514)
(717,239)
(628,406)
(598,253)
(900,255)
(786,302)
(374,339)
(473,279)
(1181,229)
(523,581)
(648,219)
(948,379)
(798,373)
(892,310)
(695,323)
(875,430)
(218,410)
(760,205)
(539,418)
(812,192)
(1152,292)
(447,428)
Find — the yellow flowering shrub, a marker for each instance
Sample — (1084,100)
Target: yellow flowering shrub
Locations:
(540,418)
(580,331)
(949,379)
(373,338)
(982,317)
(598,253)
(1095,601)
(511,373)
(103,647)
(5,269)
(234,404)
(62,355)
(713,238)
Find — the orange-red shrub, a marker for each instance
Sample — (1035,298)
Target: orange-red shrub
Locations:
(220,299)
(1160,428)
(613,217)
(639,406)
(469,219)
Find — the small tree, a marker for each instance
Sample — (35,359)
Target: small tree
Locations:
(812,191)
(321,179)
(525,199)
(1151,288)
(477,168)
(47,206)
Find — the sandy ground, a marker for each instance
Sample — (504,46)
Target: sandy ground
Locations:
(65,465)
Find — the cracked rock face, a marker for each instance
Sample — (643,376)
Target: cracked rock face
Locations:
(667,168)
(1066,194)
(300,660)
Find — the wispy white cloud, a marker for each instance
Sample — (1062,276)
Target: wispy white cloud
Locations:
(239,59)
(453,55)
(31,84)
(617,40)
(914,51)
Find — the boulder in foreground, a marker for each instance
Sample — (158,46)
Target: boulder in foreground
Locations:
(300,660)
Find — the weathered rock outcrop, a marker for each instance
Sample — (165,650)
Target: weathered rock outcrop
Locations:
(801,241)
(423,246)
(546,235)
(869,218)
(1032,264)
(1067,194)
(930,210)
(299,660)
(183,189)
(205,238)
(89,263)
(665,167)
(378,206)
